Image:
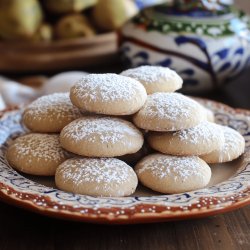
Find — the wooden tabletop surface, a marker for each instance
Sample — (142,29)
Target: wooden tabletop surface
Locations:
(20,229)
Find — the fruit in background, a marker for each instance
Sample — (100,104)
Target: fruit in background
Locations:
(72,26)
(19,19)
(112,14)
(44,33)
(66,6)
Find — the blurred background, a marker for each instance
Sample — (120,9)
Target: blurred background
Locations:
(48,45)
(244,5)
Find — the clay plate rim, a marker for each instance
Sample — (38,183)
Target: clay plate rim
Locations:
(141,212)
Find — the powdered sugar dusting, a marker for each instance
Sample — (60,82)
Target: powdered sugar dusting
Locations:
(97,170)
(103,129)
(55,106)
(153,74)
(179,168)
(171,106)
(233,140)
(204,132)
(41,146)
(106,88)
(233,147)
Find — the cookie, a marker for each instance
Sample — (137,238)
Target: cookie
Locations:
(108,94)
(173,174)
(95,136)
(49,114)
(209,114)
(169,112)
(96,177)
(201,139)
(36,154)
(232,148)
(155,78)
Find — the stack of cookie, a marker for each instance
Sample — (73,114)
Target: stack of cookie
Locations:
(183,132)
(106,117)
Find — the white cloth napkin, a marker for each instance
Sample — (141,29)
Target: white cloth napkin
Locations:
(13,93)
(2,103)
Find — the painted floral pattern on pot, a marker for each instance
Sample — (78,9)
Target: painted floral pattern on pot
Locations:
(202,4)
(207,47)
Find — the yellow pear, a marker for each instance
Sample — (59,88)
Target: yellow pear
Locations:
(66,6)
(72,26)
(112,14)
(19,18)
(44,33)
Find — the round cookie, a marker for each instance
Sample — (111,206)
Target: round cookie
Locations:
(95,136)
(108,94)
(36,154)
(209,115)
(201,139)
(232,148)
(96,177)
(169,112)
(49,114)
(173,174)
(155,78)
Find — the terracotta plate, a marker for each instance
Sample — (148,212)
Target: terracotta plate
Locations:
(229,187)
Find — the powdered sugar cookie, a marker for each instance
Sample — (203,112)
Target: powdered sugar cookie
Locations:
(101,137)
(36,154)
(199,140)
(169,112)
(173,174)
(155,78)
(232,148)
(108,94)
(96,177)
(50,113)
(209,115)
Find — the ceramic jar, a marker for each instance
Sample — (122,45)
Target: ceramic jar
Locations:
(206,45)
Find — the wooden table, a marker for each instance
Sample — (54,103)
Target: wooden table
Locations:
(23,230)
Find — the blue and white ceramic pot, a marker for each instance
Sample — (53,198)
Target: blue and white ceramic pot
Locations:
(206,42)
